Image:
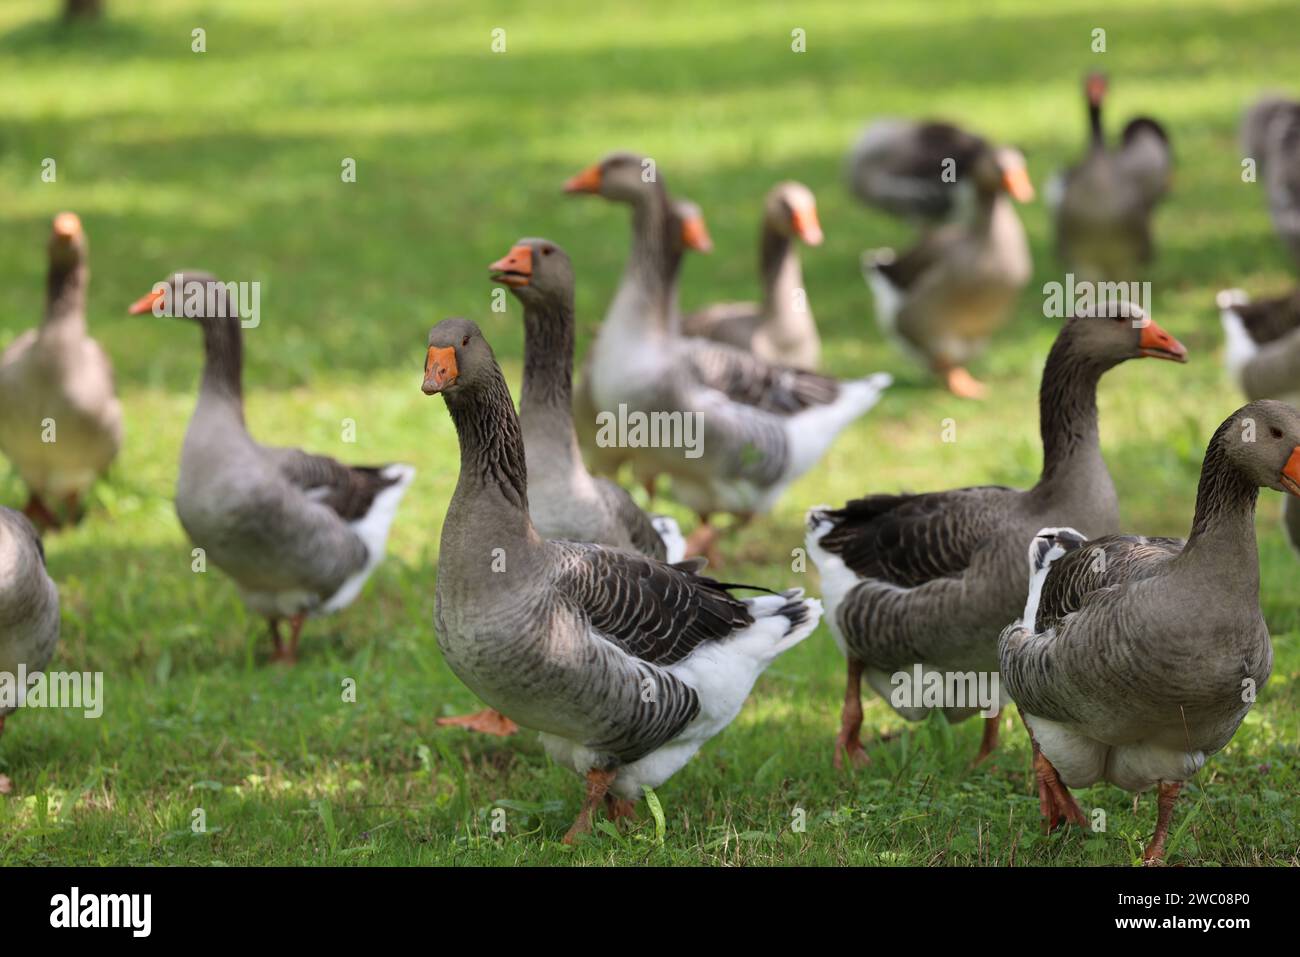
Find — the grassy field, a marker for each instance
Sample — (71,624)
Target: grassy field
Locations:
(230,161)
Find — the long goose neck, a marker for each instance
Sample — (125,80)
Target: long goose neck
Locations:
(492,463)
(782,274)
(65,297)
(1223,531)
(1096,137)
(1067,415)
(655,260)
(223,366)
(546,401)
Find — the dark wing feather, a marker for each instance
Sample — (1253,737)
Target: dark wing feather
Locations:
(349,490)
(903,174)
(1096,564)
(655,612)
(645,539)
(747,379)
(1268,320)
(904,271)
(908,540)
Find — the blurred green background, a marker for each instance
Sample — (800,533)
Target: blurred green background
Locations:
(230,160)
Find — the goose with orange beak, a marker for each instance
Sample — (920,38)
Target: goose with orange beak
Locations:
(745,428)
(56,373)
(1129,662)
(780,327)
(943,299)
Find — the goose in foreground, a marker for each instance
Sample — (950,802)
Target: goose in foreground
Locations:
(1102,206)
(1137,658)
(945,297)
(29,612)
(567,502)
(924,584)
(626,665)
(60,419)
(916,170)
(1263,356)
(299,533)
(781,327)
(740,429)
(1271,137)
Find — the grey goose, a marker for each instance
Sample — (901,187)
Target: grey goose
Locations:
(1263,357)
(29,608)
(928,581)
(1270,135)
(1136,658)
(1102,206)
(626,665)
(298,533)
(60,418)
(944,298)
(762,425)
(780,328)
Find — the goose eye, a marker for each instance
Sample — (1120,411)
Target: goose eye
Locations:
(465,341)
(547,250)
(1275,432)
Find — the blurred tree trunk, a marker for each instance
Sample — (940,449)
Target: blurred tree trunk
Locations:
(82,9)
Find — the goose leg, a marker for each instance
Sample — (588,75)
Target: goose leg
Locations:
(703,540)
(649,484)
(487,721)
(989,743)
(276,641)
(616,808)
(295,629)
(598,783)
(6,786)
(40,515)
(1054,799)
(1168,794)
(849,740)
(960,382)
(72,507)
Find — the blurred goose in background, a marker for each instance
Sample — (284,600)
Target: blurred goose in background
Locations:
(929,581)
(574,639)
(644,285)
(919,171)
(29,609)
(60,419)
(1263,356)
(298,533)
(1102,206)
(757,426)
(945,297)
(1271,137)
(1137,658)
(780,328)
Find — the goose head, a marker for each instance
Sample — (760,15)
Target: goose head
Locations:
(1121,330)
(189,294)
(1003,169)
(694,231)
(791,210)
(1263,443)
(458,360)
(1094,89)
(67,242)
(535,270)
(623,177)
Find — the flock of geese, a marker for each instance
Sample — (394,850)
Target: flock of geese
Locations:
(569,610)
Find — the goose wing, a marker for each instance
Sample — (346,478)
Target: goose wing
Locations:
(348,490)
(896,166)
(745,378)
(1098,564)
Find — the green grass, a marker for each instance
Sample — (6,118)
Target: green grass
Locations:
(230,161)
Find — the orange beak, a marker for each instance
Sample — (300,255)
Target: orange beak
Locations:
(588,181)
(1158,344)
(1017,183)
(145,303)
(695,235)
(439,369)
(515,268)
(1291,473)
(67,226)
(1096,87)
(806,225)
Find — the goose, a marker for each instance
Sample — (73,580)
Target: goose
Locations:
(640,283)
(927,582)
(757,426)
(945,297)
(567,501)
(299,533)
(1263,356)
(1136,659)
(1102,206)
(1271,137)
(781,328)
(919,171)
(29,611)
(624,664)
(60,418)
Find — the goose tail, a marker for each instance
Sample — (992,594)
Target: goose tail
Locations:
(671,534)
(1048,545)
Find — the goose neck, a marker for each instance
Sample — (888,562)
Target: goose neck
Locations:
(65,298)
